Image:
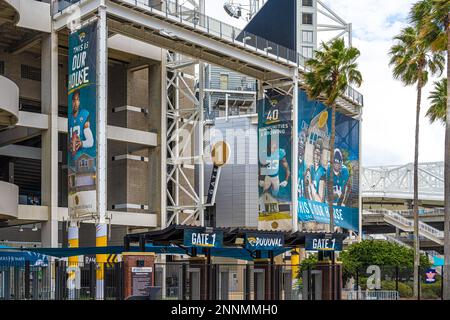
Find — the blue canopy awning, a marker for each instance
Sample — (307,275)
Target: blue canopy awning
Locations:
(236,253)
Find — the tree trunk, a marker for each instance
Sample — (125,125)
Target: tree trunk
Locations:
(331,177)
(416,194)
(447,178)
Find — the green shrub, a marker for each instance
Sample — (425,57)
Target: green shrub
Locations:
(405,290)
(430,291)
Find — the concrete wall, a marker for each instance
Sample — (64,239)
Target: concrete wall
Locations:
(237,194)
(9,199)
(31,89)
(9,102)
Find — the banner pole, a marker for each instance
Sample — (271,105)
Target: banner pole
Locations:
(102,78)
(294,175)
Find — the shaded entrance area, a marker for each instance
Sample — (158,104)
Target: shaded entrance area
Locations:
(189,263)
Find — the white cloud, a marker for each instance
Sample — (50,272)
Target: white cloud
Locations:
(389,111)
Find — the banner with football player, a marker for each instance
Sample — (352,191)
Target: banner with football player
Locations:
(274,147)
(82,102)
(314,168)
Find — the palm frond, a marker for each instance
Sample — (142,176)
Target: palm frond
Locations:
(438,106)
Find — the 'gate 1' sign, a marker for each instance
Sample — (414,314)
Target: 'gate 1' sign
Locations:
(323,243)
(193,238)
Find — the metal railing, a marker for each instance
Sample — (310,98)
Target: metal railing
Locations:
(407,222)
(426,230)
(213,27)
(372,295)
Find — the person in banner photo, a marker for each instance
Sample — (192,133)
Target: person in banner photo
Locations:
(80,130)
(315,169)
(316,178)
(275,128)
(301,164)
(340,179)
(272,182)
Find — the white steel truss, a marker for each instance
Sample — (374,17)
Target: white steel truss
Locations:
(185,126)
(397,181)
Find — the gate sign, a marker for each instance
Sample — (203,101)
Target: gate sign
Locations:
(323,243)
(258,241)
(430,276)
(193,238)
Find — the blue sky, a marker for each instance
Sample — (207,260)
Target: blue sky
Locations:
(389,111)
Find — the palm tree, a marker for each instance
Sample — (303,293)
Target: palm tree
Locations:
(332,70)
(412,62)
(433,16)
(438,98)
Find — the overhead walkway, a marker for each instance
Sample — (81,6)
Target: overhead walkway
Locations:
(190,33)
(396,182)
(396,220)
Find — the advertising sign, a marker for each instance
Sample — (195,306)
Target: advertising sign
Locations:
(82,102)
(430,276)
(194,238)
(274,149)
(314,169)
(323,243)
(257,241)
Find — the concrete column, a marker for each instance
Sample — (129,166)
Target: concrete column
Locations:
(157,156)
(49,150)
(102,107)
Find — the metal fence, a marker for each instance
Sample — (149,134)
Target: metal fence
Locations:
(60,280)
(186,280)
(390,283)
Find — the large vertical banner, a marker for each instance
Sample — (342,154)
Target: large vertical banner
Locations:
(314,168)
(82,102)
(274,148)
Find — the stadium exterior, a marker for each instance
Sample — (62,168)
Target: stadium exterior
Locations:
(161,88)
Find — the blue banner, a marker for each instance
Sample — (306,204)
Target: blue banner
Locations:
(82,121)
(258,241)
(193,238)
(314,169)
(275,157)
(323,243)
(13,258)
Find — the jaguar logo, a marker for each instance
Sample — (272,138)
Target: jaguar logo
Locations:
(82,36)
(251,241)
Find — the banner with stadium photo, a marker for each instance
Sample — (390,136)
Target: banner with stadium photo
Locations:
(82,108)
(274,156)
(314,166)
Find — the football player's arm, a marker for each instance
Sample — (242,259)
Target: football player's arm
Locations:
(345,194)
(89,141)
(317,195)
(321,190)
(285,164)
